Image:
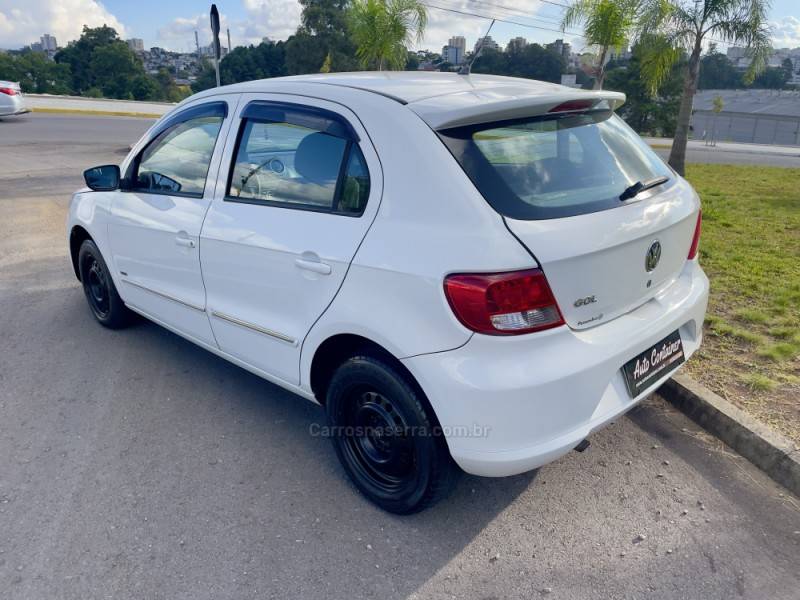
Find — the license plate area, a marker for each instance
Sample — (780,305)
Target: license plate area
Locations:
(654,363)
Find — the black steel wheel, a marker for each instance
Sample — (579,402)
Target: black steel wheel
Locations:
(387,437)
(98,286)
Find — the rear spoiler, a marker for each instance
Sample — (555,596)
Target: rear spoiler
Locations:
(502,104)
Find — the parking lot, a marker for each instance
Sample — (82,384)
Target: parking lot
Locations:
(136,465)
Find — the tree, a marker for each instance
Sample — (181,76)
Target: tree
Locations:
(322,31)
(102,65)
(326,66)
(536,62)
(771,78)
(717,72)
(668,29)
(383,29)
(532,62)
(79,55)
(412,62)
(35,73)
(245,63)
(144,88)
(648,114)
(112,68)
(788,66)
(607,24)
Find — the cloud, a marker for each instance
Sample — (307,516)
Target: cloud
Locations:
(23,22)
(276,19)
(786,32)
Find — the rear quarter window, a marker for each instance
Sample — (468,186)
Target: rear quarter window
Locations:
(556,165)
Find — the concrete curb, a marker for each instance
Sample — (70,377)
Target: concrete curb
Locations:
(728,147)
(770,451)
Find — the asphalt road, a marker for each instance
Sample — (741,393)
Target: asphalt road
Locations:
(711,155)
(136,465)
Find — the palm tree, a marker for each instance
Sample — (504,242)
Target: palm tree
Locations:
(383,29)
(670,29)
(607,24)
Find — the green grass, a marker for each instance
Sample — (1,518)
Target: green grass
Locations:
(750,249)
(760,383)
(780,352)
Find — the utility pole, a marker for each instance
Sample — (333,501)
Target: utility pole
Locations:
(229,41)
(215,39)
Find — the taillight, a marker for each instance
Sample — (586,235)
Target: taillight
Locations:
(696,237)
(8,91)
(503,303)
(573,105)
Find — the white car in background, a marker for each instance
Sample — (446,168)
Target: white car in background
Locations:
(465,271)
(12,102)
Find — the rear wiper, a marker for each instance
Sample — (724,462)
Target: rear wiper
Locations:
(640,186)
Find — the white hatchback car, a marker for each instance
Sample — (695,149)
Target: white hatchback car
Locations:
(463,270)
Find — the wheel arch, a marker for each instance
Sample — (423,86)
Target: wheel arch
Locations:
(338,348)
(77,236)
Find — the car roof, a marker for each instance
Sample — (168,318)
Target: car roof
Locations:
(445,99)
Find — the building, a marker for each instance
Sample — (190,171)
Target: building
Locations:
(486,42)
(562,48)
(136,44)
(516,44)
(738,56)
(180,64)
(48,43)
(741,60)
(455,50)
(622,53)
(208,51)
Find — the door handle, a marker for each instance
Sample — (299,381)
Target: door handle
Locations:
(185,241)
(313,265)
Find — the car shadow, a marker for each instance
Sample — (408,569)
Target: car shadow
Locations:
(176,461)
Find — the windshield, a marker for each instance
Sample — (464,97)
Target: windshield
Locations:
(554,166)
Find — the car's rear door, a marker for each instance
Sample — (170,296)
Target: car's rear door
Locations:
(298,189)
(155,225)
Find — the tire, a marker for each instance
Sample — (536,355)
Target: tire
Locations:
(98,286)
(386,436)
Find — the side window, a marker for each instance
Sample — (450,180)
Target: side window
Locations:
(296,165)
(177,161)
(355,189)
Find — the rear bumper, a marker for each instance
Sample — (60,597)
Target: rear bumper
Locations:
(13,105)
(511,404)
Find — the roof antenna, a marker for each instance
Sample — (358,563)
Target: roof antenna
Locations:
(465,69)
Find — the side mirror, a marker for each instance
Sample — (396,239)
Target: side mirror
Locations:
(102,179)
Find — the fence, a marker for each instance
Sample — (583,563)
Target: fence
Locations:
(754,128)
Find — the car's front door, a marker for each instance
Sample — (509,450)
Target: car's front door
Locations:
(298,189)
(156,219)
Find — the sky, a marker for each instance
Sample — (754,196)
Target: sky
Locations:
(171,23)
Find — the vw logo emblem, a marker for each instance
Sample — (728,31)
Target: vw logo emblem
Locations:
(653,256)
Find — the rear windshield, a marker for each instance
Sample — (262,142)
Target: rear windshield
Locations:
(554,166)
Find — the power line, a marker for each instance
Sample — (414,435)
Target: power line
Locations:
(470,14)
(512,8)
(515,13)
(550,20)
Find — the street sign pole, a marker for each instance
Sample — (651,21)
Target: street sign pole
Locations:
(215,39)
